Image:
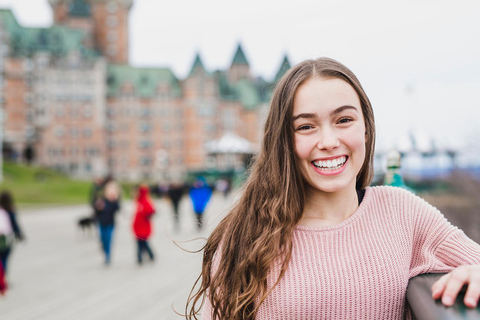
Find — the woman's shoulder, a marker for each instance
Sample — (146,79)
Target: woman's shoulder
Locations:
(397,197)
(391,191)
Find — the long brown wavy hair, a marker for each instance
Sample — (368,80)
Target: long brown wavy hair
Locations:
(258,230)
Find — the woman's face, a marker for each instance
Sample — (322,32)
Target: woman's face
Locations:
(329,131)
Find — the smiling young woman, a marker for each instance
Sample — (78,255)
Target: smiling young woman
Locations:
(308,238)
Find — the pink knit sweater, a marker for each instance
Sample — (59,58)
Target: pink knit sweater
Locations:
(359,269)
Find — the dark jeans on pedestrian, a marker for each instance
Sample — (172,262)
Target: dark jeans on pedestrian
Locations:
(142,245)
(199,220)
(106,233)
(176,214)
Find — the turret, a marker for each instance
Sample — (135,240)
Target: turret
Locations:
(105,22)
(239,69)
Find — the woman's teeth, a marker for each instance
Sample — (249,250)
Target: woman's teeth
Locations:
(330,164)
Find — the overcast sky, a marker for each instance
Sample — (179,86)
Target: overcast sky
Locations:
(418,60)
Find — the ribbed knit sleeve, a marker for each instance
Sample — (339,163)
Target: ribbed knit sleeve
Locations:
(438,246)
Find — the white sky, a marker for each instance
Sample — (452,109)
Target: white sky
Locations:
(418,60)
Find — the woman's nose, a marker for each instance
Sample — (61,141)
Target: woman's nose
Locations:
(328,139)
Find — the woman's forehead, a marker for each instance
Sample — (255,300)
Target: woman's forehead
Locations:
(324,94)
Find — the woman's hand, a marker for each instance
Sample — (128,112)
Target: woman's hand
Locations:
(448,286)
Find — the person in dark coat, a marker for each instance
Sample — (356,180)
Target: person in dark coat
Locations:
(142,226)
(6,203)
(200,194)
(106,217)
(175,193)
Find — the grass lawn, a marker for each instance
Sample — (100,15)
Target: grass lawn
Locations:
(33,185)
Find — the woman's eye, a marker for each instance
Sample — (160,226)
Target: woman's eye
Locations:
(345,120)
(304,127)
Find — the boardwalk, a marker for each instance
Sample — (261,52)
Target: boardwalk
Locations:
(58,273)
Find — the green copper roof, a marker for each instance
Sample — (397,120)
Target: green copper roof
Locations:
(247,94)
(250,93)
(197,64)
(79,8)
(144,80)
(224,88)
(57,40)
(239,57)
(283,68)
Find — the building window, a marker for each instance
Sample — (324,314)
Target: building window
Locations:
(91,151)
(74,132)
(145,127)
(112,7)
(87,132)
(87,113)
(112,50)
(112,21)
(210,127)
(145,161)
(110,127)
(112,36)
(59,131)
(73,166)
(205,109)
(74,113)
(145,144)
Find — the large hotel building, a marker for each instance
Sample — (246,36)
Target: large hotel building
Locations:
(71,101)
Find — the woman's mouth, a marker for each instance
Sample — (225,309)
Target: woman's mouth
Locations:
(330,165)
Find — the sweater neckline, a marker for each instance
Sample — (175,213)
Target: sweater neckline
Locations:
(358,212)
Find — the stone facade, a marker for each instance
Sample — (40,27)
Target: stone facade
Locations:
(69,93)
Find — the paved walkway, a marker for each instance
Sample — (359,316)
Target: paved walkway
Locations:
(58,272)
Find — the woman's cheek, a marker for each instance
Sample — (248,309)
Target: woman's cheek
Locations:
(302,148)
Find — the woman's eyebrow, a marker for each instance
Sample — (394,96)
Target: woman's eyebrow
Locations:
(343,108)
(314,115)
(304,116)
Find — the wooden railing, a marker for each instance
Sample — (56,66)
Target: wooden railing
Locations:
(419,297)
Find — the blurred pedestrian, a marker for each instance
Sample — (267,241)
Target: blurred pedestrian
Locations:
(9,229)
(223,185)
(110,205)
(3,281)
(200,194)
(142,226)
(97,193)
(175,193)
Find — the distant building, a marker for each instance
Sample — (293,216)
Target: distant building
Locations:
(69,95)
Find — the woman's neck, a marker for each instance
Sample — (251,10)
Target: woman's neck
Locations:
(326,209)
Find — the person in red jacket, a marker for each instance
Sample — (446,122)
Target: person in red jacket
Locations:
(3,282)
(141,224)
